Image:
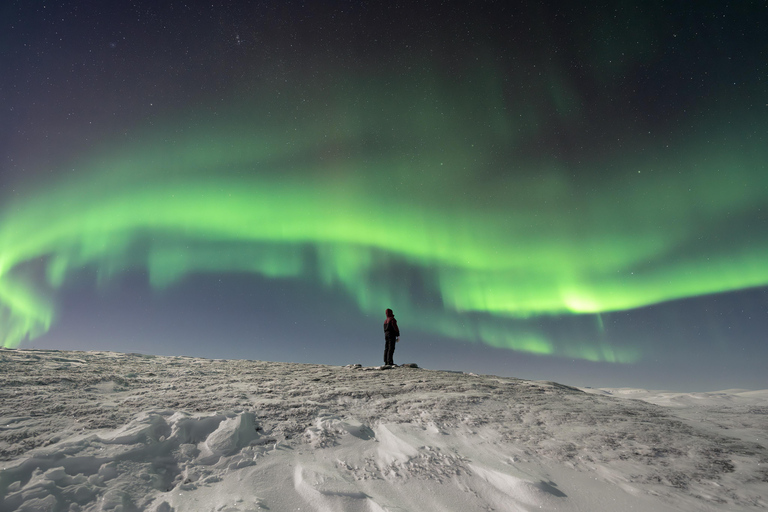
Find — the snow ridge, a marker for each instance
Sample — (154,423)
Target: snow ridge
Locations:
(98,431)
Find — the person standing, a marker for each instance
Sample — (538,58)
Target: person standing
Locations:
(391,336)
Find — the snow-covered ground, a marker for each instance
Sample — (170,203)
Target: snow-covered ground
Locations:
(92,431)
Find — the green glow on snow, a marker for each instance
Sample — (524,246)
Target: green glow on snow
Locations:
(342,196)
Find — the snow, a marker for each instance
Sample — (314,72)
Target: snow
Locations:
(98,431)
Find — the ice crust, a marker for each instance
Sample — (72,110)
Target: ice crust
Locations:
(97,431)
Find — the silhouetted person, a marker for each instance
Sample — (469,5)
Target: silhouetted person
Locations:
(391,335)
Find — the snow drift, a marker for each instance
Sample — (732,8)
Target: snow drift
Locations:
(96,431)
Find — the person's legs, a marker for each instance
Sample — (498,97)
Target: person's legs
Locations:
(389,351)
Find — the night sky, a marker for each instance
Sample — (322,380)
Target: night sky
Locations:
(542,190)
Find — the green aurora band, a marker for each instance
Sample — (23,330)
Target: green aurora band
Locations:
(343,196)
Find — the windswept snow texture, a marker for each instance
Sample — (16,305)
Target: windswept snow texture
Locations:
(96,431)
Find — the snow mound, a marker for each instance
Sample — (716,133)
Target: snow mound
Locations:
(125,432)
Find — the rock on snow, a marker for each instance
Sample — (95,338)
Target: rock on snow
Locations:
(97,431)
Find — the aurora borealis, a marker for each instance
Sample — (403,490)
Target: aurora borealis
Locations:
(550,194)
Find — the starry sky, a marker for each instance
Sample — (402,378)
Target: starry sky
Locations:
(542,190)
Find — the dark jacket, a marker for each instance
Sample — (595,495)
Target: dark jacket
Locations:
(390,325)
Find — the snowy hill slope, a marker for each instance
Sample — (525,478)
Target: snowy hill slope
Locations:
(93,431)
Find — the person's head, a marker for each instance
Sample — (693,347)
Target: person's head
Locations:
(389,313)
